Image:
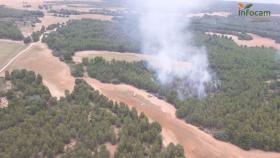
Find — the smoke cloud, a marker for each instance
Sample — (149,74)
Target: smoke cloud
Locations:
(163,24)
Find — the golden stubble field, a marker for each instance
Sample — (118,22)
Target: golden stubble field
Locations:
(56,74)
(256,41)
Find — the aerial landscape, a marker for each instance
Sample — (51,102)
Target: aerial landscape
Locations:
(139,79)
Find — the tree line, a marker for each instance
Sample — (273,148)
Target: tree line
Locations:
(232,25)
(86,34)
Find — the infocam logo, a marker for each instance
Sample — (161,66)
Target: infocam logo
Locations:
(245,10)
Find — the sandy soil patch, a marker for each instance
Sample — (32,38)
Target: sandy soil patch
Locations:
(70,145)
(168,137)
(3,102)
(256,41)
(197,144)
(111,148)
(56,74)
(108,55)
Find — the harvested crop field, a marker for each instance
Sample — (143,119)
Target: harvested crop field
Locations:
(197,144)
(129,57)
(107,55)
(9,49)
(256,41)
(56,74)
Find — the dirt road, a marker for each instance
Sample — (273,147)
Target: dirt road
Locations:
(197,144)
(2,70)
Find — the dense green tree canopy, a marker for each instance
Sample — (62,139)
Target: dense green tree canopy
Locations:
(91,34)
(8,30)
(38,125)
(233,25)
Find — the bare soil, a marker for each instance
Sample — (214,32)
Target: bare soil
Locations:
(71,145)
(111,148)
(108,55)
(56,74)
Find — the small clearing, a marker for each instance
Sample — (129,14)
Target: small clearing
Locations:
(70,145)
(3,102)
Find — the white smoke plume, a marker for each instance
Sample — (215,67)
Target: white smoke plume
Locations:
(163,26)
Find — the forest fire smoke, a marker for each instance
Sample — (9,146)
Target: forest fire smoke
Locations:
(163,26)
